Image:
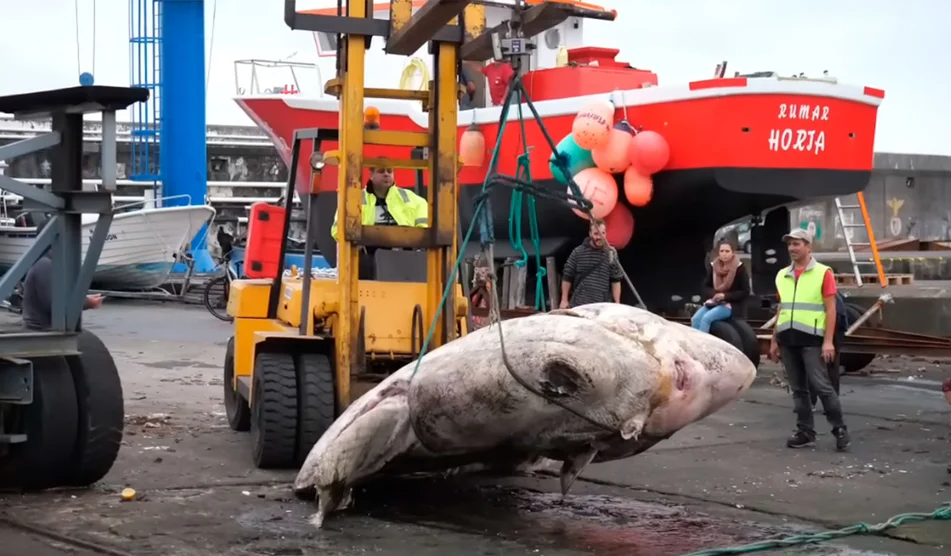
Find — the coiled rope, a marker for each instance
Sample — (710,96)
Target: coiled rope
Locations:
(413,67)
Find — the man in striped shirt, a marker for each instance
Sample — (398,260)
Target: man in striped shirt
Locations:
(592,273)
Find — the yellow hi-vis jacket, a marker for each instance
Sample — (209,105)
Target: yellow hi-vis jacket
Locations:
(406,208)
(801,305)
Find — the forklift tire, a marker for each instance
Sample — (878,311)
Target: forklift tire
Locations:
(316,399)
(855,362)
(274,411)
(101,411)
(722,329)
(43,461)
(236,407)
(748,339)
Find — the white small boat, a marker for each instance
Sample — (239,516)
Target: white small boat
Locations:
(140,247)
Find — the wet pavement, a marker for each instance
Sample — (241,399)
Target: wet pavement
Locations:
(725,481)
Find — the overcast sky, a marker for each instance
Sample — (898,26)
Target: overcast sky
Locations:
(902,46)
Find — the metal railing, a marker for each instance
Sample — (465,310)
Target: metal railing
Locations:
(293,78)
(155,202)
(95,182)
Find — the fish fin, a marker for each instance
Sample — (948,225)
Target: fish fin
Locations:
(573,467)
(329,500)
(631,429)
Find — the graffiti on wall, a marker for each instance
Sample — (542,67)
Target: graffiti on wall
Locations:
(895,225)
(810,218)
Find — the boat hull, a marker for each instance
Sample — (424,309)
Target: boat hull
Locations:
(140,248)
(714,125)
(738,147)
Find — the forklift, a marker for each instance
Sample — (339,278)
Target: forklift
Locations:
(305,345)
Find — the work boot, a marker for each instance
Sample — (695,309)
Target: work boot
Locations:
(842,439)
(800,440)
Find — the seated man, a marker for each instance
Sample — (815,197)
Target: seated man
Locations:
(38,295)
(384,204)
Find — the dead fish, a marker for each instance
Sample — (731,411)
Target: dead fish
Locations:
(588,384)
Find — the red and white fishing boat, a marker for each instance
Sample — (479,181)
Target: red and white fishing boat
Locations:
(738,145)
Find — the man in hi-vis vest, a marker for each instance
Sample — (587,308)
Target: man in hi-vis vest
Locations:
(385,204)
(803,338)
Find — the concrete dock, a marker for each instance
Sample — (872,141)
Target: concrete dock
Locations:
(725,481)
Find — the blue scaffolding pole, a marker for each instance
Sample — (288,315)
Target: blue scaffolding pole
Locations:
(145,39)
(171,49)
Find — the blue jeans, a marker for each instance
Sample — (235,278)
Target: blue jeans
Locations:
(706,316)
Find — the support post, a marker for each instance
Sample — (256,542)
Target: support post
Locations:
(349,210)
(184,155)
(67,253)
(443,175)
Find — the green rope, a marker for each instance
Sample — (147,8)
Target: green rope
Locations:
(942,513)
(524,173)
(476,220)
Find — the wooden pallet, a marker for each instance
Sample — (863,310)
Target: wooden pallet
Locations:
(890,279)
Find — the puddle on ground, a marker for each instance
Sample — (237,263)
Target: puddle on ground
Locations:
(599,525)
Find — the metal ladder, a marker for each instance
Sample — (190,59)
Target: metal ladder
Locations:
(851,245)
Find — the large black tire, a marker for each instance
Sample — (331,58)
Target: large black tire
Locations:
(855,362)
(274,411)
(44,460)
(723,330)
(101,408)
(216,304)
(316,400)
(747,338)
(236,407)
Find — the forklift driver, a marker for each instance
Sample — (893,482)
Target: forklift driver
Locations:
(38,294)
(384,204)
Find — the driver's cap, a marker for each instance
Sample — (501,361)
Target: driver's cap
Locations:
(798,233)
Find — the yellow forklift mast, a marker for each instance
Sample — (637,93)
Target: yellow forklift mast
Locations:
(304,345)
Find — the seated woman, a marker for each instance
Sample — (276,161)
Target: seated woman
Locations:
(727,287)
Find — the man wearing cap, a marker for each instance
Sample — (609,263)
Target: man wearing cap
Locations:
(385,204)
(803,339)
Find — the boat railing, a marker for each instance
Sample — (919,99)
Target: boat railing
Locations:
(95,182)
(277,77)
(231,136)
(13,199)
(154,202)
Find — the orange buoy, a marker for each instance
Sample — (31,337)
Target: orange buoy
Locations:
(614,155)
(638,188)
(649,152)
(472,147)
(619,227)
(593,124)
(598,187)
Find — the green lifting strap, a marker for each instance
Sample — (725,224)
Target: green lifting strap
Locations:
(524,173)
(482,214)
